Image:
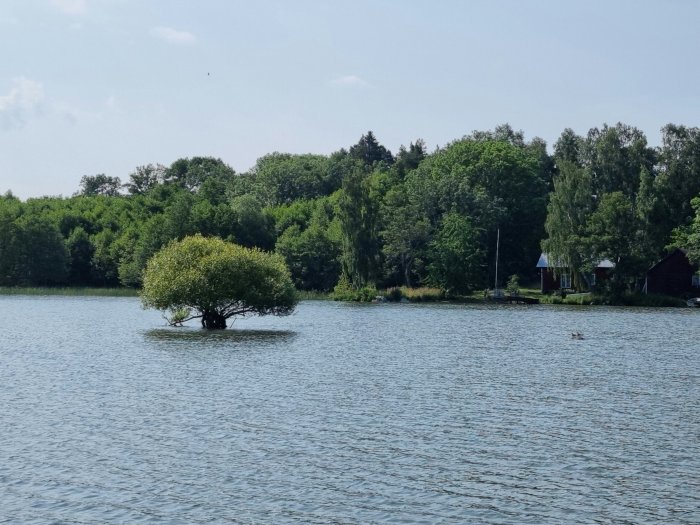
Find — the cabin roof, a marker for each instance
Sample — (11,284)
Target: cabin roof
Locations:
(669,256)
(543,262)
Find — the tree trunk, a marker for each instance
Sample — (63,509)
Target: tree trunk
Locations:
(213,321)
(406,263)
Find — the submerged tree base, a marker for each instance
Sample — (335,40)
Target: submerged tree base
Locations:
(213,321)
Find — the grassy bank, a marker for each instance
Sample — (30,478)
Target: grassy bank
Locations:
(423,294)
(397,294)
(426,294)
(312,295)
(637,299)
(574,298)
(75,292)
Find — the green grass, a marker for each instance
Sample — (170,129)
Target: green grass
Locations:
(530,291)
(427,294)
(629,299)
(638,299)
(574,298)
(73,291)
(421,294)
(313,295)
(366,294)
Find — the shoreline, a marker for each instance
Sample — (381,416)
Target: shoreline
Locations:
(581,299)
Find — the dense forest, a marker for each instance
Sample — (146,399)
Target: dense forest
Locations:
(366,217)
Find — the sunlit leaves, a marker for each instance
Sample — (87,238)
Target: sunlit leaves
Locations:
(211,275)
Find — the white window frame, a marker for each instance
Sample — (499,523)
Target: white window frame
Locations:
(565,281)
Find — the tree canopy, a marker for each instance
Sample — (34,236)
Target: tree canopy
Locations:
(378,220)
(608,202)
(213,280)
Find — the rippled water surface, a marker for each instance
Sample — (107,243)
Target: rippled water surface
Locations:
(349,414)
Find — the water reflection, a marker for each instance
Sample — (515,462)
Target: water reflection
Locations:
(189,335)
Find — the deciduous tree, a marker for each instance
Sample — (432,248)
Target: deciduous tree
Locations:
(100,185)
(213,280)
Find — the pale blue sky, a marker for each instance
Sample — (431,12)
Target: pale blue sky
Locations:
(102,86)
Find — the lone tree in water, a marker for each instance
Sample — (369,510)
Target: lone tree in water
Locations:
(213,280)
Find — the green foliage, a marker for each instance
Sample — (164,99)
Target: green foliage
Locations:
(91,185)
(216,280)
(409,159)
(456,255)
(145,178)
(32,251)
(422,294)
(369,152)
(497,181)
(568,210)
(614,234)
(179,316)
(192,174)
(313,255)
(691,234)
(210,219)
(297,213)
(615,156)
(568,148)
(648,300)
(281,178)
(313,295)
(358,214)
(254,227)
(346,291)
(513,286)
(678,177)
(105,259)
(623,299)
(414,295)
(405,235)
(605,205)
(81,251)
(393,294)
(380,220)
(579,299)
(137,245)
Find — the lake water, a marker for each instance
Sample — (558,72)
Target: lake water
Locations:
(349,414)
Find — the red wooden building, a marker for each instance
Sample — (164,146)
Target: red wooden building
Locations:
(673,275)
(555,277)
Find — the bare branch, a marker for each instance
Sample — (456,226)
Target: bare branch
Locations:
(180,321)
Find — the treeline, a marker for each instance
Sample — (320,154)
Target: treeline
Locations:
(363,216)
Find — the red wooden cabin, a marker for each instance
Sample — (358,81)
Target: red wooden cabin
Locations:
(554,277)
(673,275)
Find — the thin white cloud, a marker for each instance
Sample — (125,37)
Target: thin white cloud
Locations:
(71,7)
(172,36)
(350,81)
(21,103)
